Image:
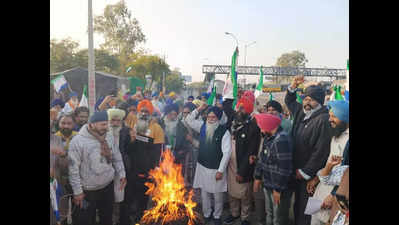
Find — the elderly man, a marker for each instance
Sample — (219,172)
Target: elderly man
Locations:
(214,155)
(245,142)
(169,125)
(94,160)
(72,103)
(144,152)
(339,120)
(311,135)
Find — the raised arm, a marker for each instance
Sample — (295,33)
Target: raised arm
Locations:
(192,122)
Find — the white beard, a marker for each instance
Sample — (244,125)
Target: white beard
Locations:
(115,131)
(170,126)
(142,126)
(210,130)
(308,113)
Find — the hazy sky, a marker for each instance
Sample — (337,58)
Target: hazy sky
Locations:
(191,33)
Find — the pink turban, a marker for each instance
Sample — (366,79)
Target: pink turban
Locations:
(267,122)
(247,104)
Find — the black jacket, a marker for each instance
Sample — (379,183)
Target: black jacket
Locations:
(311,138)
(247,143)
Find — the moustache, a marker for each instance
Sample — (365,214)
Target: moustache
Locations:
(308,105)
(66,131)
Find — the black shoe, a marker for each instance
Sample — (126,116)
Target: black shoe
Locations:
(207,219)
(230,219)
(217,221)
(245,222)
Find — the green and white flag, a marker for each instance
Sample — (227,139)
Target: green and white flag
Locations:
(211,99)
(258,90)
(83,100)
(270,96)
(347,75)
(233,75)
(298,98)
(59,83)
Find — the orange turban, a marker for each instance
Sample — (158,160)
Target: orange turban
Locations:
(146,104)
(247,104)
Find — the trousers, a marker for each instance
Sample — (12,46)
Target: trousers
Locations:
(207,204)
(101,200)
(301,200)
(277,214)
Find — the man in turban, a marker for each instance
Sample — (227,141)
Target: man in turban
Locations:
(72,103)
(245,142)
(213,157)
(339,120)
(274,168)
(144,152)
(311,136)
(93,162)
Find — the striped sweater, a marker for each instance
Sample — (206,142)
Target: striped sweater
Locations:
(275,164)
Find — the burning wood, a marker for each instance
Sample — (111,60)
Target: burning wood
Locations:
(172,202)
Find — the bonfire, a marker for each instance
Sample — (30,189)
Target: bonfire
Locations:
(172,202)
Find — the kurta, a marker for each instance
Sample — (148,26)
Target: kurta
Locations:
(236,189)
(205,178)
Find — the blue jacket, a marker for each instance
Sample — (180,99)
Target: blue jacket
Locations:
(275,164)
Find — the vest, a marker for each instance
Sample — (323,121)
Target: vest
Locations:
(210,154)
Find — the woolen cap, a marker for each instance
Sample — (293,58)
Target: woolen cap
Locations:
(99,117)
(315,92)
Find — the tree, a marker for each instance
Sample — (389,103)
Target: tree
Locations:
(292,59)
(62,54)
(174,81)
(103,59)
(149,64)
(121,32)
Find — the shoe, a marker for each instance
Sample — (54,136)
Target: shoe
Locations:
(230,219)
(217,221)
(245,222)
(207,219)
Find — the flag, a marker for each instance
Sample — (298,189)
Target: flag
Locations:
(259,88)
(270,96)
(55,195)
(298,98)
(228,88)
(83,100)
(347,75)
(212,97)
(59,83)
(234,75)
(338,95)
(128,69)
(134,83)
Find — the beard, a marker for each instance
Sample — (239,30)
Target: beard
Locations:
(210,130)
(142,125)
(311,111)
(339,129)
(170,126)
(115,130)
(66,132)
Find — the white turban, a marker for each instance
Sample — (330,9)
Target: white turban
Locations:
(116,113)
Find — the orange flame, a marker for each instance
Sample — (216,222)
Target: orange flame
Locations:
(168,194)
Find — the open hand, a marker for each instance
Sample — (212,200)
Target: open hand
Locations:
(311,185)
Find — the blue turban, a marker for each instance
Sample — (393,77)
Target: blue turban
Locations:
(171,107)
(190,105)
(131,102)
(190,97)
(340,108)
(73,94)
(57,102)
(218,112)
(206,95)
(99,117)
(155,94)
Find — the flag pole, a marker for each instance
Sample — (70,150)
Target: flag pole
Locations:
(91,67)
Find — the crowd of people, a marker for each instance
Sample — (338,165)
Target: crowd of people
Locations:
(261,152)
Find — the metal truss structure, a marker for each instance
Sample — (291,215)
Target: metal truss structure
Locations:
(276,71)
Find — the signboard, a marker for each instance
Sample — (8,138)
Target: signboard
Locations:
(187,78)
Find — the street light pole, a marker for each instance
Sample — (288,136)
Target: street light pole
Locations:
(91,66)
(247,45)
(232,36)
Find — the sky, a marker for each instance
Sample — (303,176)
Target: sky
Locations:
(192,33)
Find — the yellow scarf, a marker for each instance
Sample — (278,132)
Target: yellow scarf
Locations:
(66,139)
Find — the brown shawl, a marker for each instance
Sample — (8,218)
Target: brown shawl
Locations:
(105,150)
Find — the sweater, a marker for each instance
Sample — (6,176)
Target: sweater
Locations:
(275,164)
(87,170)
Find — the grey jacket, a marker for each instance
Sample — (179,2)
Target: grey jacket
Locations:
(88,170)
